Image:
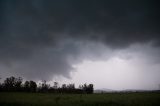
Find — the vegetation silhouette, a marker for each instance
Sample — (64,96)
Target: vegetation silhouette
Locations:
(13,84)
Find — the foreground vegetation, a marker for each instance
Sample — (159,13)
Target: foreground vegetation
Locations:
(50,99)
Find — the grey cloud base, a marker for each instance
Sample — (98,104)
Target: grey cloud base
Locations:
(42,38)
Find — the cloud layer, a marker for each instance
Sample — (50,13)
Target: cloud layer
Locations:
(40,39)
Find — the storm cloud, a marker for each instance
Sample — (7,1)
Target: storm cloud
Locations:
(40,39)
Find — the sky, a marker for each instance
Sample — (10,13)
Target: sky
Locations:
(114,44)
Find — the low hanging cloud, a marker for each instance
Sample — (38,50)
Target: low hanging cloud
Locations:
(40,39)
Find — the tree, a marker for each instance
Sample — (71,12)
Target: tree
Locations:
(44,86)
(71,86)
(26,86)
(15,84)
(9,83)
(32,86)
(1,88)
(64,86)
(90,88)
(55,85)
(18,84)
(87,88)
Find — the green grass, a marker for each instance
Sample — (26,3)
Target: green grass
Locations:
(110,99)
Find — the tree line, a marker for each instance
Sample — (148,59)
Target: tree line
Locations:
(13,84)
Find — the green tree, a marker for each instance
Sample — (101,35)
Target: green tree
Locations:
(32,86)
(9,83)
(18,84)
(26,86)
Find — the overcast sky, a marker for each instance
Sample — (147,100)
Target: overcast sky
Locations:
(113,44)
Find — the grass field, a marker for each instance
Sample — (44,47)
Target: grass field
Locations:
(110,99)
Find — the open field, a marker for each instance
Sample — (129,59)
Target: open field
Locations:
(110,99)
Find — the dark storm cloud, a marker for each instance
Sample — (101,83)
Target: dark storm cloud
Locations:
(39,38)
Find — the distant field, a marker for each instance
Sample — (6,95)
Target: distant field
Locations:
(111,99)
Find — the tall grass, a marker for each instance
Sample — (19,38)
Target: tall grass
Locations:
(111,99)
